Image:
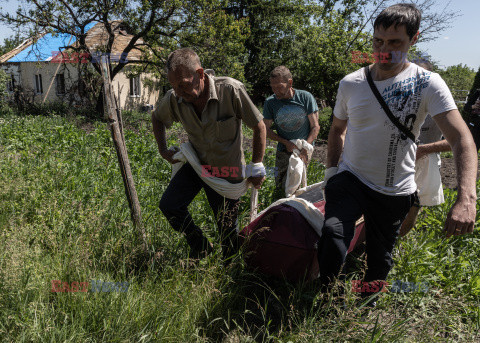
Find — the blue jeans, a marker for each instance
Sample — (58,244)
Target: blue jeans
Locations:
(181,191)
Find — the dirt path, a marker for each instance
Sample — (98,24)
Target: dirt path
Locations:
(447,170)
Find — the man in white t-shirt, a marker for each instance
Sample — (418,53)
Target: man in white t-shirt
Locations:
(371,163)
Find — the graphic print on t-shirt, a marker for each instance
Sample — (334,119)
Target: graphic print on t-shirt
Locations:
(403,98)
(290,118)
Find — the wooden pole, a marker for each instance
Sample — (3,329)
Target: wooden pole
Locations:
(113,115)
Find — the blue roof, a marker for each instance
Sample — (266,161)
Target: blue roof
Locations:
(43,49)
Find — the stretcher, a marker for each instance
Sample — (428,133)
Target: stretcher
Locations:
(282,240)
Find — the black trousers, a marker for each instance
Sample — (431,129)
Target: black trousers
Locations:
(347,199)
(181,191)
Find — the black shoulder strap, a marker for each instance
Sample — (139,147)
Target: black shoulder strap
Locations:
(385,107)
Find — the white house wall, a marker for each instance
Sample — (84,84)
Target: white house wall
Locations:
(121,87)
(12,69)
(48,72)
(24,73)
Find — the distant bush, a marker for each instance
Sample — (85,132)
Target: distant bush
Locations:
(3,88)
(53,108)
(324,119)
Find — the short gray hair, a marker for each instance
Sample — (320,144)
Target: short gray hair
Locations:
(184,57)
(281,71)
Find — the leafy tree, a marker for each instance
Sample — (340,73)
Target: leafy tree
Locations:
(459,79)
(3,88)
(325,53)
(315,38)
(273,30)
(280,33)
(218,38)
(10,43)
(475,85)
(245,39)
(156,27)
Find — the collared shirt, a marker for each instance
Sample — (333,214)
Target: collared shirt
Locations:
(217,135)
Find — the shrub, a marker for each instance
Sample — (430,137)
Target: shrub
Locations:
(324,119)
(3,88)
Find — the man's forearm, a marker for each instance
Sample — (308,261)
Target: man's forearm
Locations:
(275,137)
(435,147)
(466,162)
(335,147)
(259,142)
(314,127)
(159,132)
(313,134)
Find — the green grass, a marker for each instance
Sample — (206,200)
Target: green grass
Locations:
(64,216)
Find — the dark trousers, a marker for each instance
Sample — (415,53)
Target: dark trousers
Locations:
(282,160)
(347,199)
(181,191)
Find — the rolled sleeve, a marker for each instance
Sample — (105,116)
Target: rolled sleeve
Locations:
(267,110)
(245,108)
(440,98)
(340,110)
(164,111)
(311,104)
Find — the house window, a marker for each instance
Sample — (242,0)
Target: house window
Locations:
(38,84)
(135,86)
(11,84)
(60,84)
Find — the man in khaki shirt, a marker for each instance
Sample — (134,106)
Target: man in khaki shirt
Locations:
(211,110)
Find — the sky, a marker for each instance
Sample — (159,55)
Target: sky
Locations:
(461,42)
(458,44)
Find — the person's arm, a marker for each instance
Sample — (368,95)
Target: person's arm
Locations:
(314,127)
(160,137)
(430,148)
(275,137)
(248,112)
(259,142)
(461,218)
(258,150)
(336,139)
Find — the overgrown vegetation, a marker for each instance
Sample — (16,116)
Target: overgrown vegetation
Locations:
(459,79)
(244,39)
(64,216)
(475,85)
(3,89)
(324,120)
